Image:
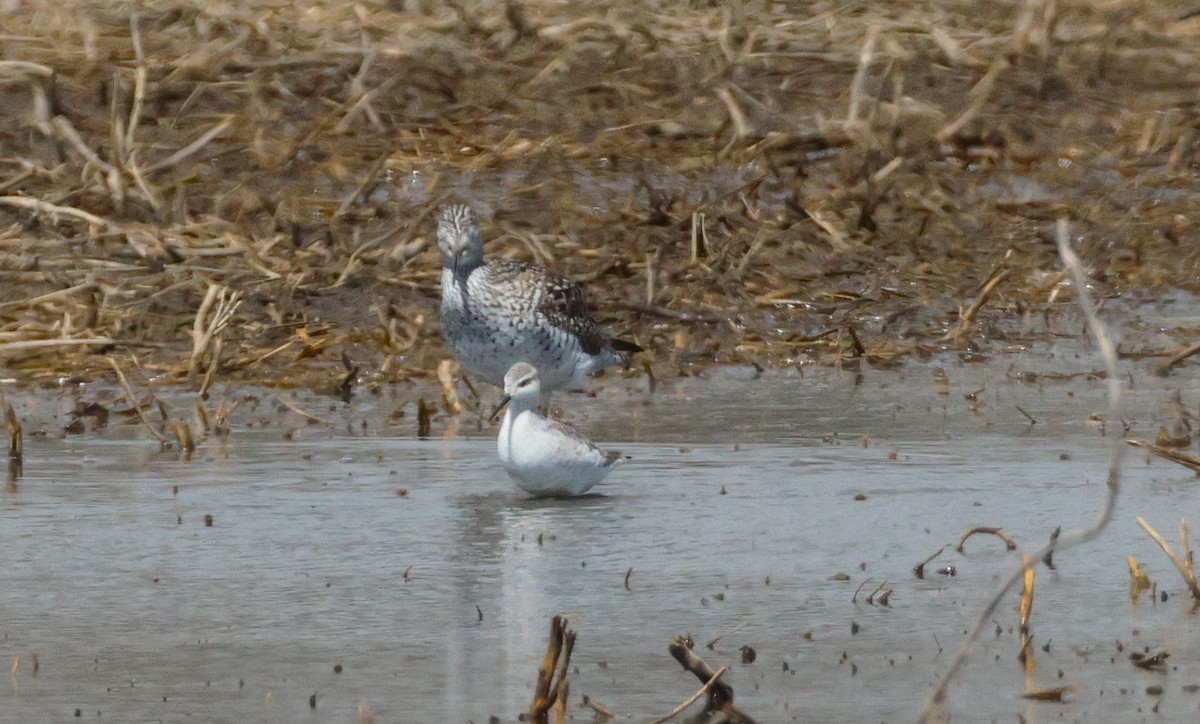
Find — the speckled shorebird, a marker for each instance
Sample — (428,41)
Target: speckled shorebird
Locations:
(545,457)
(498,313)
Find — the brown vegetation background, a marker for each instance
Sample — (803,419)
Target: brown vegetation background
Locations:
(247,189)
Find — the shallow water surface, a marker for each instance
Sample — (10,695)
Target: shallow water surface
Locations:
(759,504)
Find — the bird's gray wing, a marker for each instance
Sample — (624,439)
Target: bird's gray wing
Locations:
(567,430)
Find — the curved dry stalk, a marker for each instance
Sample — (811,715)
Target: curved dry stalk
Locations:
(68,132)
(27,68)
(1009,543)
(1112,484)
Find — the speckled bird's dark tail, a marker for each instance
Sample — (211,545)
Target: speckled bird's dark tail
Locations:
(625,350)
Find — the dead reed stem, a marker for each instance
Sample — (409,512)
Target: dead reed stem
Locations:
(222,302)
(857,86)
(425,417)
(191,149)
(980,95)
(312,419)
(16,447)
(1183,564)
(741,126)
(1180,356)
(50,296)
(1026,655)
(28,344)
(599,708)
(133,401)
(1030,577)
(16,441)
(447,371)
(549,695)
(934,702)
(1188,461)
(54,211)
(699,237)
(183,435)
(967,318)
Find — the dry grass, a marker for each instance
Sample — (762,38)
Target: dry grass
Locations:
(855,165)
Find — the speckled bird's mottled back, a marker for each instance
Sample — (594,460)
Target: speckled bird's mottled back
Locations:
(498,313)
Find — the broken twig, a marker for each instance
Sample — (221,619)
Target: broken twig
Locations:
(1188,461)
(720,694)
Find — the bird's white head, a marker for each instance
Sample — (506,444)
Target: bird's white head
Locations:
(459,239)
(522,389)
(521,384)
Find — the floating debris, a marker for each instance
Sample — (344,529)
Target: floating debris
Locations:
(989,530)
(1054,694)
(919,569)
(1138,580)
(1048,559)
(1155,662)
